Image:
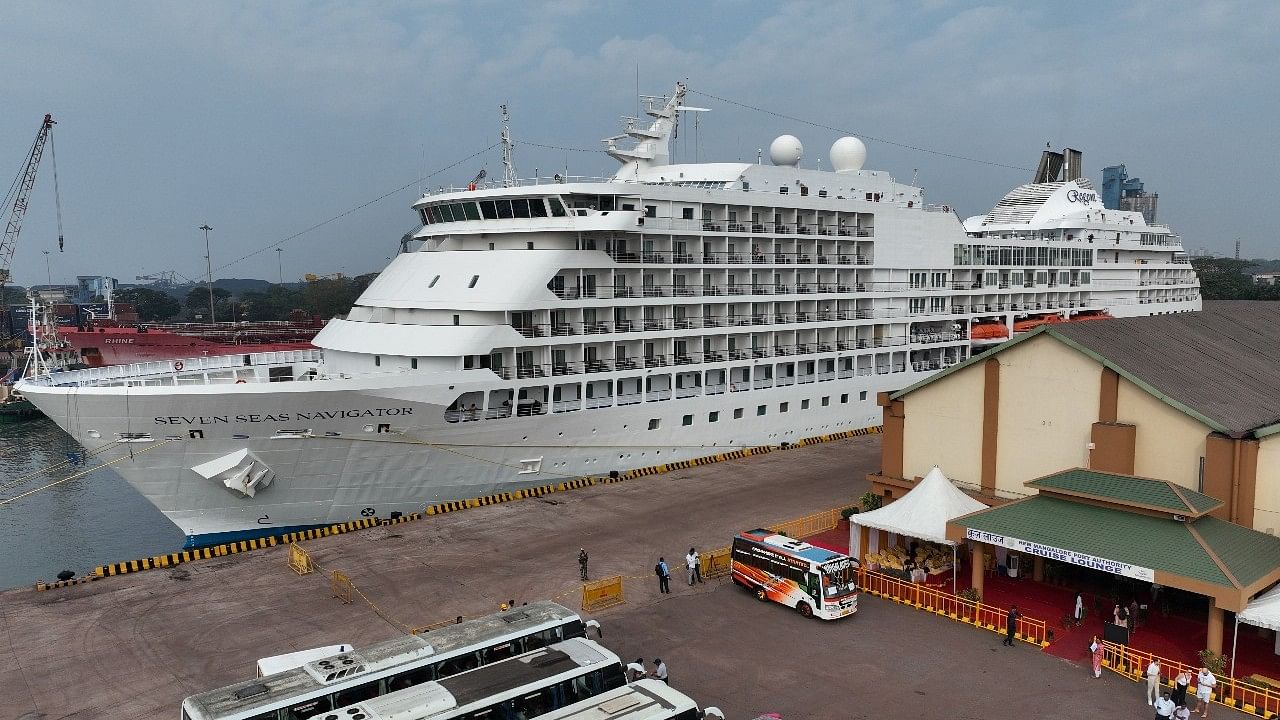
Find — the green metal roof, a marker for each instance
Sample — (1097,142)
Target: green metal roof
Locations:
(1248,554)
(1162,544)
(1128,490)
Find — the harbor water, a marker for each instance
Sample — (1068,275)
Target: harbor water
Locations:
(75,525)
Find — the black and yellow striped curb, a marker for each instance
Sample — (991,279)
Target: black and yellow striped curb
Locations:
(234,548)
(958,617)
(206,553)
(41,585)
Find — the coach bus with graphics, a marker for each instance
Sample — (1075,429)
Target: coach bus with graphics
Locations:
(814,581)
(320,685)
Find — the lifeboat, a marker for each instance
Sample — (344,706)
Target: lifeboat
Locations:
(989,331)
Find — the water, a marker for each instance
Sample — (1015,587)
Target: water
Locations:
(89,521)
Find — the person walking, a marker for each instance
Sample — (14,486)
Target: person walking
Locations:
(1204,691)
(660,670)
(694,565)
(1096,652)
(1078,614)
(1180,683)
(582,562)
(1010,625)
(1153,681)
(1164,707)
(664,576)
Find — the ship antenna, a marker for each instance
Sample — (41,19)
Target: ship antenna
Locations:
(508,167)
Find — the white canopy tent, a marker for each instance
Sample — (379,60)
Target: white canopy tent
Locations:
(922,513)
(1263,611)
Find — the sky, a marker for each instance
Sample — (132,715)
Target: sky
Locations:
(265,119)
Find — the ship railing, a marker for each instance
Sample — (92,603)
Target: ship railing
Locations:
(185,367)
(668,257)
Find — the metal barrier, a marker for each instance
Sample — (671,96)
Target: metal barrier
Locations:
(299,559)
(819,522)
(1231,692)
(716,563)
(940,602)
(341,586)
(601,594)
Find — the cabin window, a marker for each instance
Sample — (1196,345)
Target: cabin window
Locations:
(783,407)
(557,207)
(457,319)
(862,395)
(537,208)
(528,245)
(844,398)
(737,413)
(654,423)
(377,361)
(686,420)
(826,401)
(488,210)
(426,219)
(471,211)
(504,209)
(413,363)
(713,416)
(651,211)
(804,404)
(784,189)
(760,410)
(687,213)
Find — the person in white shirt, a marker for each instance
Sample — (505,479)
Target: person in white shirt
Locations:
(1204,691)
(1181,713)
(1153,682)
(694,563)
(636,670)
(1164,707)
(661,671)
(919,575)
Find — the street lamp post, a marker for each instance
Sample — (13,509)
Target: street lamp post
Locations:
(208,261)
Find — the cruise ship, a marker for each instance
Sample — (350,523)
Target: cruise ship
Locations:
(563,327)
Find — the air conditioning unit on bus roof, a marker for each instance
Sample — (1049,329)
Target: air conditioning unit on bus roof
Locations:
(336,667)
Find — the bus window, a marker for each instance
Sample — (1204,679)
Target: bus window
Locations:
(268,715)
(532,705)
(613,677)
(309,708)
(462,663)
(499,652)
(410,678)
(574,629)
(812,586)
(542,639)
(356,694)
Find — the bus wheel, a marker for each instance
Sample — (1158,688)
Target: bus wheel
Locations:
(805,609)
(762,595)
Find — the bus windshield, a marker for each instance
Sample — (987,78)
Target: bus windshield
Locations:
(838,576)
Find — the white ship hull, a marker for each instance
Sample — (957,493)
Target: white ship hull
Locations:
(343,472)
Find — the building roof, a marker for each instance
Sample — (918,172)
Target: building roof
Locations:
(1217,365)
(1235,559)
(1127,490)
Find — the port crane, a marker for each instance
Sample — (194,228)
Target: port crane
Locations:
(20,194)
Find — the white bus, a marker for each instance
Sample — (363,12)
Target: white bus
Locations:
(521,688)
(641,700)
(814,581)
(321,685)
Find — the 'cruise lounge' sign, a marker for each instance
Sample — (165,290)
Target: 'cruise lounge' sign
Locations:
(1115,567)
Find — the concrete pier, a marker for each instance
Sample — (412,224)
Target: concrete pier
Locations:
(134,646)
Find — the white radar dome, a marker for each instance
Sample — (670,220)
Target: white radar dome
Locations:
(848,154)
(786,150)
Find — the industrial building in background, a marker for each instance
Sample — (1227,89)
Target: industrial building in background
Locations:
(1121,192)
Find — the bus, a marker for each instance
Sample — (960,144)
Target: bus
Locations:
(641,700)
(523,687)
(814,581)
(323,684)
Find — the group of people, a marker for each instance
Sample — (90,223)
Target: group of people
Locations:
(637,670)
(1174,704)
(693,564)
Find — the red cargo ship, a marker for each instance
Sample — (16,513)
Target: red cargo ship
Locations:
(100,343)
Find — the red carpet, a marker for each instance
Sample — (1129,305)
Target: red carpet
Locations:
(834,540)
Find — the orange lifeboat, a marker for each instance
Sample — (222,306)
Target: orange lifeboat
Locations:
(989,331)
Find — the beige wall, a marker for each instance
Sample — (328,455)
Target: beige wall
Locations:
(1170,443)
(1048,404)
(944,427)
(1266,516)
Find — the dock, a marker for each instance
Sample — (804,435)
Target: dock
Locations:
(133,646)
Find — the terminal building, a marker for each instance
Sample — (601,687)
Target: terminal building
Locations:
(1114,441)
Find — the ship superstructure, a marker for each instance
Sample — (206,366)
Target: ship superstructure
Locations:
(565,327)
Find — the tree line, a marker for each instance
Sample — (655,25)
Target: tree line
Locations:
(1230,279)
(325,297)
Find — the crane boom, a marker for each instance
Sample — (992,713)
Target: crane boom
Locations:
(21,195)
